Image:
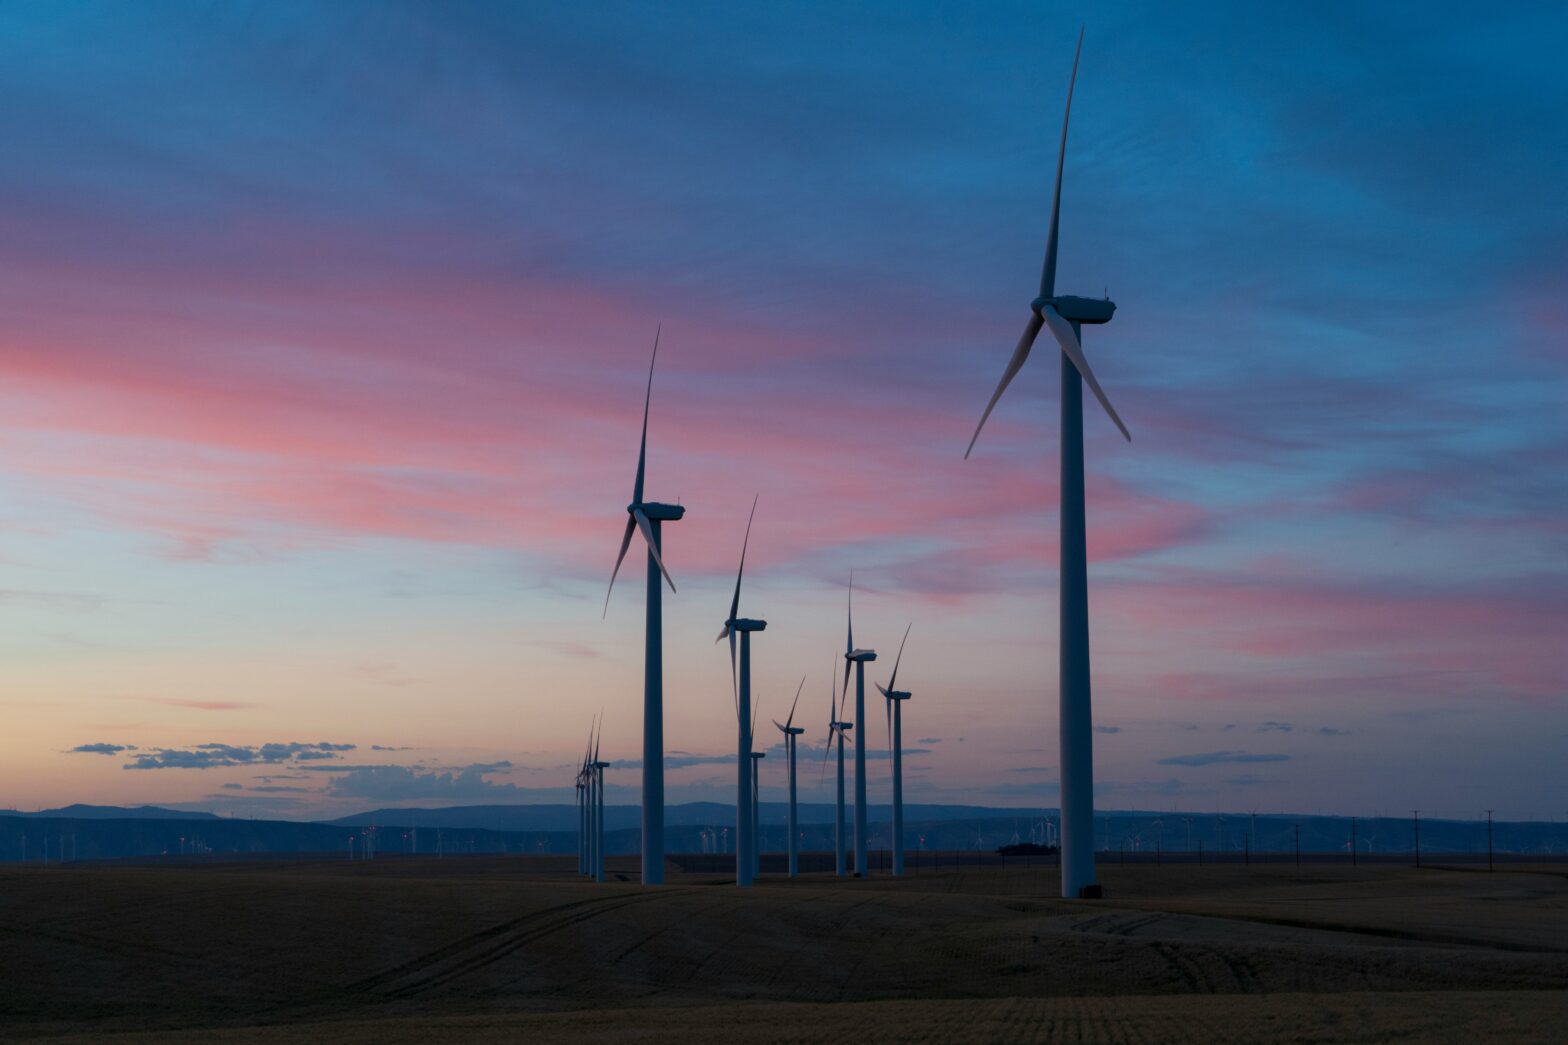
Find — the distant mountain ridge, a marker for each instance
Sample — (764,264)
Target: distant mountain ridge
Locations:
(560,817)
(79,811)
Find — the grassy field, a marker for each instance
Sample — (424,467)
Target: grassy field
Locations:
(502,948)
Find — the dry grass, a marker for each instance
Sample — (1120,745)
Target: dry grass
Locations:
(485,948)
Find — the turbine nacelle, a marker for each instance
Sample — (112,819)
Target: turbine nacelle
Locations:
(743,624)
(1076,309)
(657,512)
(759,754)
(894,694)
(861,656)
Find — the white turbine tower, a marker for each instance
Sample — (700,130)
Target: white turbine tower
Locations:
(583,826)
(598,768)
(791,731)
(756,815)
(648,517)
(590,803)
(895,741)
(839,729)
(745,719)
(1065,315)
(858,659)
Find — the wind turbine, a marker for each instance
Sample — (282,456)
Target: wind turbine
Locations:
(839,729)
(756,814)
(598,768)
(791,731)
(858,659)
(895,728)
(1065,315)
(649,516)
(745,719)
(582,809)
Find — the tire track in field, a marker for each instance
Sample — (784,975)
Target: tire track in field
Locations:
(488,946)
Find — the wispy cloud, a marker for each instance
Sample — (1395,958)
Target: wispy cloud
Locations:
(101,749)
(201,705)
(1217,757)
(209,756)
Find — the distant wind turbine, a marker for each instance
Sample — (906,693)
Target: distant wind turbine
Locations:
(791,731)
(745,718)
(583,826)
(1065,315)
(756,814)
(598,811)
(895,704)
(858,659)
(839,729)
(648,517)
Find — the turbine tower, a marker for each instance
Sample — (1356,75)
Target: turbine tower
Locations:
(839,729)
(1065,315)
(598,768)
(756,815)
(582,808)
(648,517)
(858,659)
(745,718)
(895,742)
(791,731)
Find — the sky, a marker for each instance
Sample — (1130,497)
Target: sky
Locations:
(325,330)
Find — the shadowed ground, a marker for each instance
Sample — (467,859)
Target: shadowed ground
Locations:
(498,948)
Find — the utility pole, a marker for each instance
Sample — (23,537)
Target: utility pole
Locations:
(1415,816)
(1489,840)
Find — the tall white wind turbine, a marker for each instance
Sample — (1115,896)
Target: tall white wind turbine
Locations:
(745,719)
(648,517)
(756,815)
(791,731)
(837,728)
(583,825)
(598,768)
(1065,315)
(895,741)
(858,659)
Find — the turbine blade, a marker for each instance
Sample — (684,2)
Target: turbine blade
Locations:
(887,705)
(626,540)
(1020,354)
(724,633)
(883,689)
(1048,271)
(1068,339)
(734,677)
(781,728)
(832,701)
(642,449)
(798,689)
(892,683)
(735,602)
(844,693)
(849,643)
(653,547)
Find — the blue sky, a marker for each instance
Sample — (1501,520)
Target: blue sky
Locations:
(326,328)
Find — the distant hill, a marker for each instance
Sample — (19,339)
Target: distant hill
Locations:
(87,812)
(627,817)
